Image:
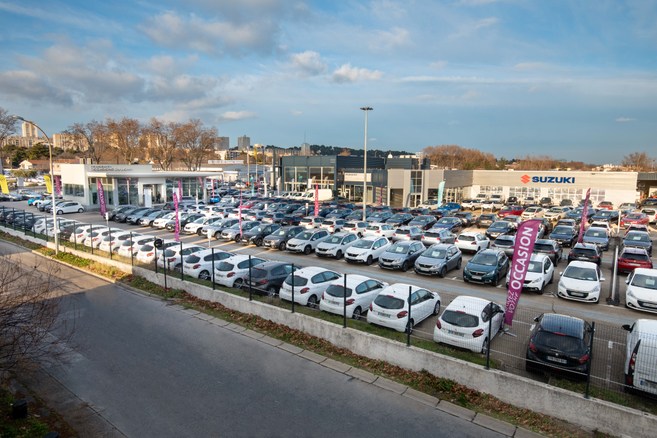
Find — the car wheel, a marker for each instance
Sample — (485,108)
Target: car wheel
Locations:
(238,283)
(360,235)
(484,346)
(436,308)
(204,275)
(540,291)
(307,250)
(496,281)
(282,246)
(369,260)
(59,212)
(338,254)
(238,237)
(357,313)
(258,241)
(442,272)
(409,327)
(80,210)
(404,267)
(199,231)
(312,301)
(272,291)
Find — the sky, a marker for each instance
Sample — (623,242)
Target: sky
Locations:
(573,80)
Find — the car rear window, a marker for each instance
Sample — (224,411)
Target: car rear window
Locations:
(586,252)
(460,319)
(225,267)
(400,231)
(634,256)
(258,273)
(193,259)
(559,342)
(298,281)
(389,302)
(338,291)
(466,238)
(543,247)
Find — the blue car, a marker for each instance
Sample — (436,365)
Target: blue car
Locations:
(597,236)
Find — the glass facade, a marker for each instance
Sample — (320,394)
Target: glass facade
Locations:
(74,190)
(190,187)
(127,190)
(108,189)
(296,178)
(523,192)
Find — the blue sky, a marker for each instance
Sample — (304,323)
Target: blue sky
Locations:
(575,80)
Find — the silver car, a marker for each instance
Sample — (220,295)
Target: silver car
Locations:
(439,259)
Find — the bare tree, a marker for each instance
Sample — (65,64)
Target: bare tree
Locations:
(126,137)
(96,135)
(456,157)
(638,161)
(29,311)
(7,129)
(163,143)
(197,143)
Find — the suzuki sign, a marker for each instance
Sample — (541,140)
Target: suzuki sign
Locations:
(548,179)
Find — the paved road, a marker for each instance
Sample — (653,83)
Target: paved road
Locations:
(152,369)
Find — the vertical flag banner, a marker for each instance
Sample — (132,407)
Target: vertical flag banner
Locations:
(239,212)
(180,192)
(585,215)
(48,181)
(316,200)
(3,184)
(128,185)
(441,190)
(101,197)
(58,185)
(522,253)
(176,234)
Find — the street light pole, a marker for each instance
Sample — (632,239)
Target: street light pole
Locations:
(52,183)
(367,109)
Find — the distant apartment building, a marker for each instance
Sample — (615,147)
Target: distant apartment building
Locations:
(69,142)
(29,130)
(243,143)
(305,150)
(223,143)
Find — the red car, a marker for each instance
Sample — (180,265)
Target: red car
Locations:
(511,210)
(632,258)
(635,219)
(606,205)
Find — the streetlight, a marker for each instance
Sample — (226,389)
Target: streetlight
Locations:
(52,183)
(367,109)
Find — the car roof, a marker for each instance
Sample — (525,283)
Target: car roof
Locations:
(568,325)
(399,290)
(312,270)
(472,305)
(470,233)
(634,250)
(353,280)
(582,264)
(646,271)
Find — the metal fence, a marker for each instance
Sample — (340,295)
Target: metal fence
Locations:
(610,370)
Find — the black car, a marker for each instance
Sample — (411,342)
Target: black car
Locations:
(291,219)
(278,239)
(606,216)
(120,209)
(487,266)
(399,219)
(424,221)
(550,248)
(560,343)
(122,215)
(498,228)
(485,220)
(467,217)
(257,234)
(586,252)
(268,277)
(401,255)
(565,235)
(638,239)
(451,223)
(545,202)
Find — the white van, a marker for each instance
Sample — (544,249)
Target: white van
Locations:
(322,195)
(641,356)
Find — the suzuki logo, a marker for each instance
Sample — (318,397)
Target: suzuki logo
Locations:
(525,179)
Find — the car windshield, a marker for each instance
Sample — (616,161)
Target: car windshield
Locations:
(646,281)
(257,229)
(535,266)
(595,232)
(258,273)
(435,253)
(298,280)
(337,291)
(281,232)
(562,230)
(304,236)
(638,237)
(580,273)
(399,249)
(460,318)
(365,244)
(485,259)
(559,342)
(389,302)
(334,239)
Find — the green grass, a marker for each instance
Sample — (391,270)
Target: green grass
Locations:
(29,427)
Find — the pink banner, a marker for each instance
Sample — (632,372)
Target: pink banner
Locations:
(58,185)
(522,253)
(316,200)
(239,210)
(585,216)
(101,197)
(180,192)
(176,219)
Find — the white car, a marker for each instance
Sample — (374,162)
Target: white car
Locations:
(532,213)
(556,213)
(641,292)
(147,252)
(367,250)
(358,227)
(113,241)
(465,323)
(391,308)
(82,232)
(540,273)
(230,272)
(336,245)
(199,264)
(195,225)
(472,241)
(580,281)
(174,255)
(360,293)
(310,222)
(161,222)
(96,237)
(379,230)
(307,241)
(69,207)
(130,246)
(333,225)
(641,350)
(309,284)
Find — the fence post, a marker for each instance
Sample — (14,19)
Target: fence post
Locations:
(250,287)
(293,288)
(92,241)
(155,256)
(110,243)
(408,325)
(588,369)
(13,218)
(344,301)
(213,285)
(490,334)
(182,263)
(132,260)
(75,237)
(166,287)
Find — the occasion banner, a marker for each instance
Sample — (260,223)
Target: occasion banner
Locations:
(522,253)
(441,190)
(101,197)
(3,184)
(585,213)
(176,235)
(58,185)
(316,200)
(48,181)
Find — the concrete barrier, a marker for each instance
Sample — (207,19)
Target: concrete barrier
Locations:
(593,414)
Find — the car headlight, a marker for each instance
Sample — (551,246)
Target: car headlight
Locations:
(536,280)
(630,294)
(596,289)
(489,274)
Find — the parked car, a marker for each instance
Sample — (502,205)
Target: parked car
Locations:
(641,350)
(399,219)
(466,217)
(439,259)
(498,228)
(358,227)
(631,258)
(424,221)
(147,221)
(451,223)
(606,216)
(199,265)
(506,243)
(402,306)
(510,210)
(638,239)
(533,212)
(487,266)
(561,344)
(257,234)
(268,277)
(635,218)
(470,323)
(586,252)
(336,245)
(472,241)
(231,271)
(555,213)
(355,299)
(485,220)
(407,233)
(173,256)
(112,242)
(235,231)
(379,216)
(565,235)
(580,281)
(307,241)
(378,230)
(309,283)
(367,250)
(401,255)
(279,238)
(540,273)
(69,207)
(130,246)
(147,252)
(641,290)
(310,222)
(550,248)
(606,205)
(597,236)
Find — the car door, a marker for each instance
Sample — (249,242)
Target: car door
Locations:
(452,258)
(414,252)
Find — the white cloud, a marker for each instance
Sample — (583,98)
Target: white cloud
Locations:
(396,37)
(237,115)
(438,65)
(347,73)
(624,119)
(309,63)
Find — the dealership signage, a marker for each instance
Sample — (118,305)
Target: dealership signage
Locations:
(548,179)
